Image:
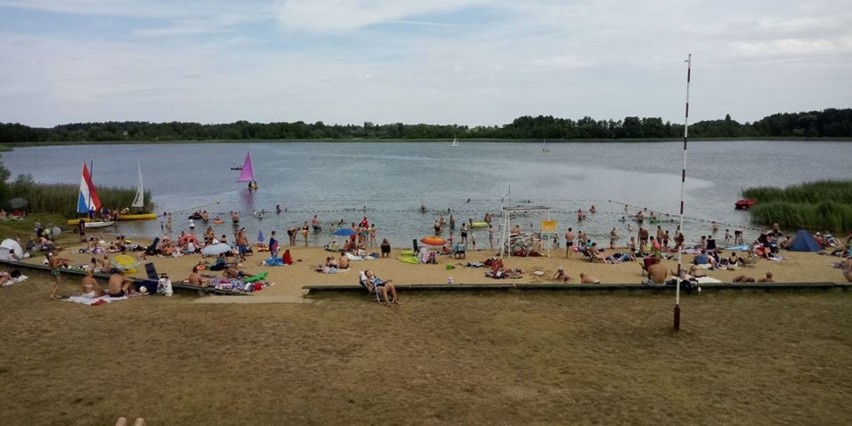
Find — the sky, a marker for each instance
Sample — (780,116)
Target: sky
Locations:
(466,62)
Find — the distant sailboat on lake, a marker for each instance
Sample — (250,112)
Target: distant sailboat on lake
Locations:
(455,142)
(247,173)
(545,148)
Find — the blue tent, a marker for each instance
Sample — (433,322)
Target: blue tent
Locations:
(804,241)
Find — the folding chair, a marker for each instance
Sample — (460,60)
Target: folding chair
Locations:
(460,251)
(371,289)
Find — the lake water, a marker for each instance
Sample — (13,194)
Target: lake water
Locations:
(339,180)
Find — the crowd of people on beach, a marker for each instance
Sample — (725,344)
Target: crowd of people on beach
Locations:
(647,246)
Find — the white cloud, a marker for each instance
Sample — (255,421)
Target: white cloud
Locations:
(347,15)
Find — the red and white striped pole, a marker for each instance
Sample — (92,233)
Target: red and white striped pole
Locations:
(682,185)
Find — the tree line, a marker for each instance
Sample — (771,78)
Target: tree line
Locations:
(813,124)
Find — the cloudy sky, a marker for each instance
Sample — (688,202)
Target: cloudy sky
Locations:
(472,62)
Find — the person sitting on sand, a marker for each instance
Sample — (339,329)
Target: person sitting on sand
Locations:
(588,279)
(386,248)
(385,287)
(119,285)
(89,286)
(656,273)
(195,278)
(233,272)
(703,259)
(287,258)
(767,279)
(343,263)
(561,275)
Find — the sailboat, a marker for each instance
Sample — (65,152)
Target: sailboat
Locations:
(247,173)
(138,202)
(455,142)
(545,149)
(88,202)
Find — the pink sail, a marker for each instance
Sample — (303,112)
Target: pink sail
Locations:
(247,174)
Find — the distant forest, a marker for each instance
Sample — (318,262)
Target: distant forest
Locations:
(814,124)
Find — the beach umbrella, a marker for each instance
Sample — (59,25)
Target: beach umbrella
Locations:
(432,241)
(344,232)
(260,236)
(12,246)
(125,262)
(17,203)
(215,249)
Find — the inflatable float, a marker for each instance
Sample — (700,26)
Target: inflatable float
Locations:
(479,224)
(138,216)
(432,241)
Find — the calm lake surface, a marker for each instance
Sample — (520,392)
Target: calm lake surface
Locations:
(339,180)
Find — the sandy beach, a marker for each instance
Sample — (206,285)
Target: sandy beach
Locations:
(797,267)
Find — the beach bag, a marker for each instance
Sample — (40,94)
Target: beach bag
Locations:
(164,286)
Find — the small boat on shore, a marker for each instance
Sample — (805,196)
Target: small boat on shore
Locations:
(88,202)
(744,204)
(138,202)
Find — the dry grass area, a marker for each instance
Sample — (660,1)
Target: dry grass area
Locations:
(515,358)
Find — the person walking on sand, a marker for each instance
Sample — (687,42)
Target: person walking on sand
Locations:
(569,243)
(55,263)
(242,243)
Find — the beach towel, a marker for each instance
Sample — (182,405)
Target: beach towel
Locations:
(256,277)
(94,301)
(273,261)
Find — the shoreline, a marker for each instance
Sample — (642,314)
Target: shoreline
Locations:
(797,268)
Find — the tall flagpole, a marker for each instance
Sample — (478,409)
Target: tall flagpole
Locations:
(682,185)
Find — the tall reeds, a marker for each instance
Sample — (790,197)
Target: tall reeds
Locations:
(812,192)
(61,199)
(818,206)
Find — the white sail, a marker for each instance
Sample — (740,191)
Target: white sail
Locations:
(455,142)
(139,199)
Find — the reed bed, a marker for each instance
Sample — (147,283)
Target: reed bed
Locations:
(819,206)
(839,191)
(61,199)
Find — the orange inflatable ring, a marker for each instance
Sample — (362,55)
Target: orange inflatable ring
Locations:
(432,241)
(201,266)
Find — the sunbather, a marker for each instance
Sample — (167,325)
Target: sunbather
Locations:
(385,287)
(561,275)
(657,273)
(195,278)
(119,285)
(89,286)
(588,279)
